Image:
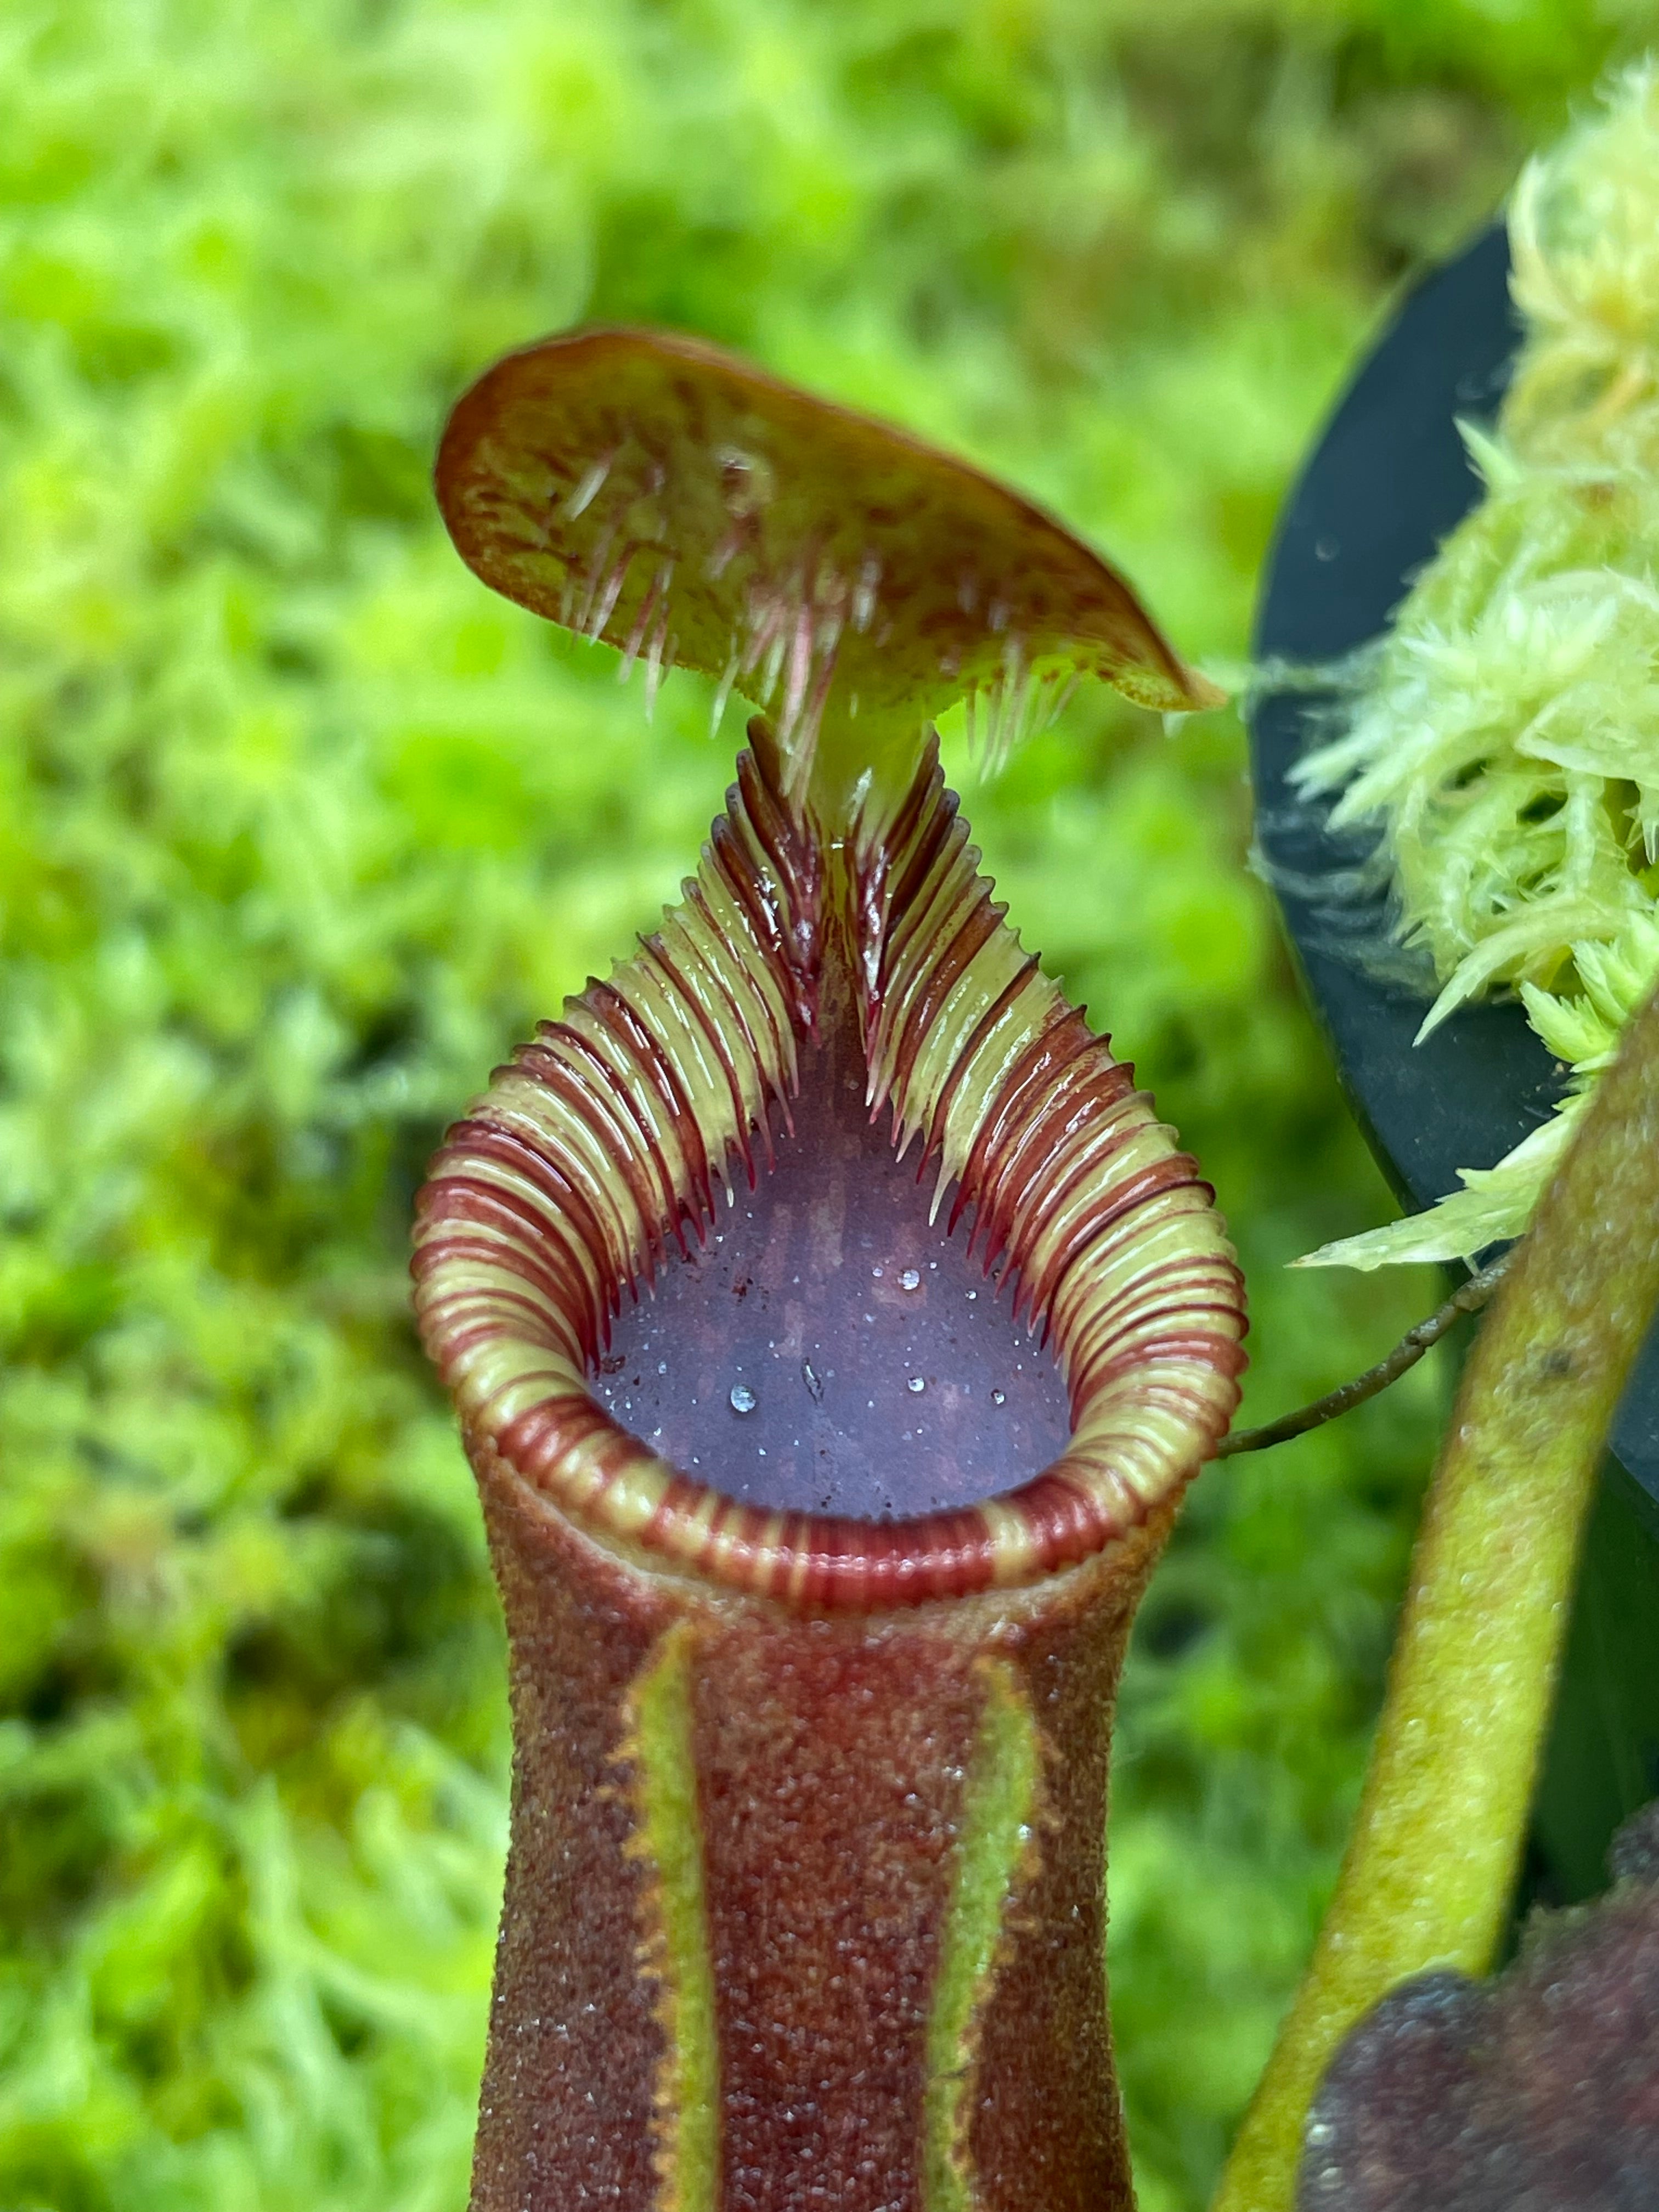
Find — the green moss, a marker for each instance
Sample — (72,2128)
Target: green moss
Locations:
(1501,738)
(299,829)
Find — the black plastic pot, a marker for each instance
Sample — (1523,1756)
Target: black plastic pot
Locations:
(1387,480)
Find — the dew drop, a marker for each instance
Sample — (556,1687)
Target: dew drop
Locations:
(916,1383)
(999,1397)
(909,1281)
(744,1399)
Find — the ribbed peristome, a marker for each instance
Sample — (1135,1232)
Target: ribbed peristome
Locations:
(603,1141)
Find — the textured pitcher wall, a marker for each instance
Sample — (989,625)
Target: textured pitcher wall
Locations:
(801,1911)
(805,1895)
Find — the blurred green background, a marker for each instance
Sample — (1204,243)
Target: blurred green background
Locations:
(299,829)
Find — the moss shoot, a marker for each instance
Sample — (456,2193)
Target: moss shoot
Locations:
(296,824)
(1505,737)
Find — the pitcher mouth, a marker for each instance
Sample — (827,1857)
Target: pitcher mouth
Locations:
(828,1348)
(600,1146)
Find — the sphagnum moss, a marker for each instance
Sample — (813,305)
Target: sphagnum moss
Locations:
(1505,738)
(293,828)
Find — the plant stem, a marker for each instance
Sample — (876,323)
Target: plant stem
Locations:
(1429,1869)
(1469,1298)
